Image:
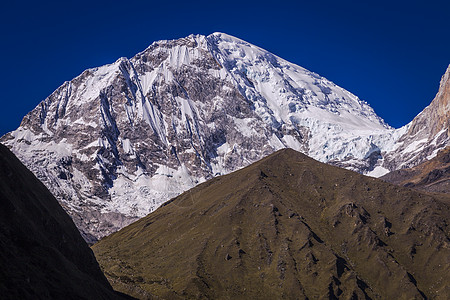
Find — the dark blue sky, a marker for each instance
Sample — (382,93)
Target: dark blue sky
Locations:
(390,53)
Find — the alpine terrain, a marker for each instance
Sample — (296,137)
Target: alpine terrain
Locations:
(428,133)
(432,175)
(119,140)
(42,254)
(286,227)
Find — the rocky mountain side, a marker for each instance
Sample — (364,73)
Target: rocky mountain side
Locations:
(286,227)
(117,141)
(428,133)
(432,175)
(42,254)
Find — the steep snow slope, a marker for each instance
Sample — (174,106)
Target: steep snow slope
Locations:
(118,140)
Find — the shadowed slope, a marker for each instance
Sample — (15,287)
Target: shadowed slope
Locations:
(431,176)
(42,255)
(286,227)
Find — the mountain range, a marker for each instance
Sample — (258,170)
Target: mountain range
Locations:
(117,141)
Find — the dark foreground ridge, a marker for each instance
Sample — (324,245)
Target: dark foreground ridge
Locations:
(286,227)
(42,254)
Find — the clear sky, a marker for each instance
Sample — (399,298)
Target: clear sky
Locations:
(390,53)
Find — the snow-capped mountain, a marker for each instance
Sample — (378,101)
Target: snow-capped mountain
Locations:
(119,140)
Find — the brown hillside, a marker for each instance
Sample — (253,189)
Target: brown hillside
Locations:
(431,176)
(286,227)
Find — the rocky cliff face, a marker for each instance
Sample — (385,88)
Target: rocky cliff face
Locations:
(434,118)
(117,141)
(428,133)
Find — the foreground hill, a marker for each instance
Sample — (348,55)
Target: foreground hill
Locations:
(432,175)
(286,227)
(42,254)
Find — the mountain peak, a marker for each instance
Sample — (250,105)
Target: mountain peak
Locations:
(444,93)
(435,117)
(426,134)
(222,34)
(117,141)
(226,36)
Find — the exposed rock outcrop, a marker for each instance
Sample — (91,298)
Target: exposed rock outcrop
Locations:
(428,133)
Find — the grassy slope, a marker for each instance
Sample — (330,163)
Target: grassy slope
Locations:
(286,227)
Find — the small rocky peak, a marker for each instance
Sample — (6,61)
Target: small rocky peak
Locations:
(436,116)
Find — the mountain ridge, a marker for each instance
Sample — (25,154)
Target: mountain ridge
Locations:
(426,134)
(118,140)
(286,226)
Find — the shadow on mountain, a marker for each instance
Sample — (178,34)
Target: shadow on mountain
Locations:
(42,255)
